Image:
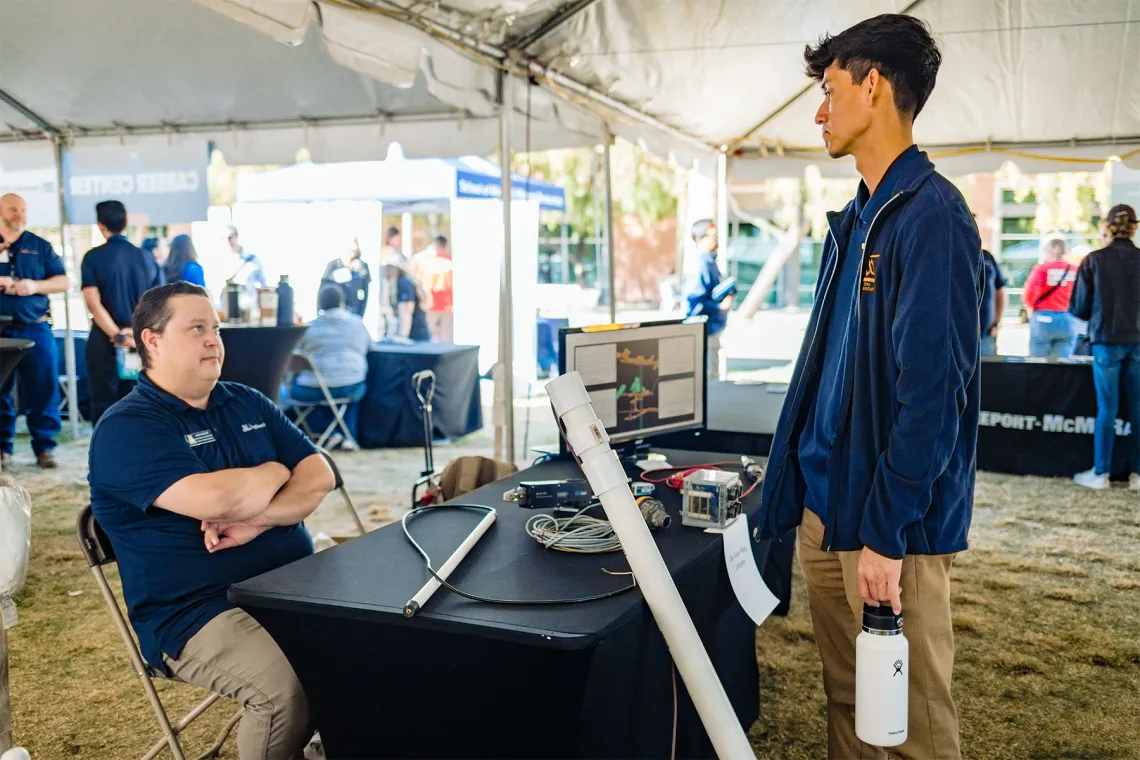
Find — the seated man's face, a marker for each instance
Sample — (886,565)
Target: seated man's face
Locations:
(190,346)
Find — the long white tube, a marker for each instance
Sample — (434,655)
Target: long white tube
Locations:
(420,599)
(587,438)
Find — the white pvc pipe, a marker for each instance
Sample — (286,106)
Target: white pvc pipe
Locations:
(587,438)
(420,599)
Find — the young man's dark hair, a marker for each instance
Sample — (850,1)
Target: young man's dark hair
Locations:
(153,311)
(112,215)
(899,47)
(330,297)
(441,241)
(701,228)
(391,233)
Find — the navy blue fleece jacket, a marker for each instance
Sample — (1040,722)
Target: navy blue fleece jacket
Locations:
(901,471)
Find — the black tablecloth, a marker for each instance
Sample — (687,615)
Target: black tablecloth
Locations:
(258,356)
(1037,419)
(12,350)
(390,413)
(467,679)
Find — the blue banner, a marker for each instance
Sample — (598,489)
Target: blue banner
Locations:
(471,185)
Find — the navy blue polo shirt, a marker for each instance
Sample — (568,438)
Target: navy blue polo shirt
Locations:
(822,424)
(122,272)
(29,258)
(148,442)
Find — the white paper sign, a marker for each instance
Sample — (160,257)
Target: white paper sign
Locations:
(750,589)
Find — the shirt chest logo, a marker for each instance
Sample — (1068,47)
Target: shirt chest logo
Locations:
(251,428)
(871,274)
(201,438)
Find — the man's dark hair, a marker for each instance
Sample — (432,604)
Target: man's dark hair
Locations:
(391,233)
(441,240)
(112,215)
(700,229)
(330,297)
(899,47)
(153,311)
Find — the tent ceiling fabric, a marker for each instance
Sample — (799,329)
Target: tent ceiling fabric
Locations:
(293,73)
(1015,72)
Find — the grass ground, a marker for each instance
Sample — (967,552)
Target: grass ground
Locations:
(1047,615)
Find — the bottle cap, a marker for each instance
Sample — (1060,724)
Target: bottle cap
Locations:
(881,620)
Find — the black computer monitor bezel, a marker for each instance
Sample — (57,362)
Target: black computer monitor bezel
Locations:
(620,441)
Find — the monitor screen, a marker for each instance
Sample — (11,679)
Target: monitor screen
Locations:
(643,379)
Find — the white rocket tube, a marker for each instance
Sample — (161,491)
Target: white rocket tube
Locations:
(429,588)
(588,440)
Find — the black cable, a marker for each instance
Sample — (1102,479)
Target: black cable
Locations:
(491,600)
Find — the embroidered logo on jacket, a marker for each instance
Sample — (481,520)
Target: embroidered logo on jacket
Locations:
(871,273)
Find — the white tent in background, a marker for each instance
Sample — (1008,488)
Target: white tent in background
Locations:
(274,208)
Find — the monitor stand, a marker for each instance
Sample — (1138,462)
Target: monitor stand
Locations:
(632,452)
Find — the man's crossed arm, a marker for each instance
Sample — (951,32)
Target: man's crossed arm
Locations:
(237,505)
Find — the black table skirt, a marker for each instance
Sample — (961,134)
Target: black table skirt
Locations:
(12,350)
(1037,419)
(390,415)
(258,356)
(472,680)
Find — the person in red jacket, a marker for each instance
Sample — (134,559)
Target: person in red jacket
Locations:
(1046,298)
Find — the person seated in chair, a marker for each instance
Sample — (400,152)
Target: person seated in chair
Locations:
(200,484)
(338,343)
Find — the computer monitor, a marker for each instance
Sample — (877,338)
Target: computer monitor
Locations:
(644,379)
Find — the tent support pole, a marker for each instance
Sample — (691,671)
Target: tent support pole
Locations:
(505,394)
(611,242)
(69,335)
(722,228)
(564,242)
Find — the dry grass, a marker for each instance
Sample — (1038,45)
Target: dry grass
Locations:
(1047,627)
(1046,618)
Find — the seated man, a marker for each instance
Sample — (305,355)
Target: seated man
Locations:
(201,484)
(338,343)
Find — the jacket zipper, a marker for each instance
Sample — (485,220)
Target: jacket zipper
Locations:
(829,532)
(811,344)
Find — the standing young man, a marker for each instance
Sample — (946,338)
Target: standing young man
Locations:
(873,457)
(705,293)
(114,277)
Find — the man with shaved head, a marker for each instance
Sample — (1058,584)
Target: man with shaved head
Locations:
(30,271)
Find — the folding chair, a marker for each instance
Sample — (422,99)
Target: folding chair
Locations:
(344,493)
(303,362)
(99,553)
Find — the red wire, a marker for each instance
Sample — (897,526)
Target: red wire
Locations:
(676,479)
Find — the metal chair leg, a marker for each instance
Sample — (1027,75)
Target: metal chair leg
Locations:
(224,734)
(352,510)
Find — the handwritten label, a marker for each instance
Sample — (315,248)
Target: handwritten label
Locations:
(751,591)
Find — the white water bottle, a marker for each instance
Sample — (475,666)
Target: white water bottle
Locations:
(882,666)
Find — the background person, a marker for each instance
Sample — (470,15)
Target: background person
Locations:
(433,270)
(411,321)
(247,271)
(182,264)
(350,273)
(114,276)
(338,343)
(158,247)
(29,272)
(874,451)
(199,485)
(703,292)
(1046,297)
(993,304)
(1107,295)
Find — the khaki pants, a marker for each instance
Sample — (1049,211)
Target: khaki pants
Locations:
(235,657)
(836,617)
